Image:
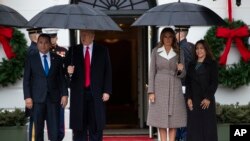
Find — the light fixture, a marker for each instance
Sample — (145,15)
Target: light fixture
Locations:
(111,41)
(238,2)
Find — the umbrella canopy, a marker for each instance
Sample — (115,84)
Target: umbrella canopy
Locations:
(73,16)
(10,17)
(178,14)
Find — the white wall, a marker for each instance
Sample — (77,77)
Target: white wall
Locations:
(223,95)
(12,96)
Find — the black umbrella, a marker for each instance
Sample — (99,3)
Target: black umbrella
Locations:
(73,16)
(10,17)
(179,13)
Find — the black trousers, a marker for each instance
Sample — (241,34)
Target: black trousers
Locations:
(48,111)
(89,131)
(61,126)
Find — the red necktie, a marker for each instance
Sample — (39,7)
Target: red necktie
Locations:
(87,68)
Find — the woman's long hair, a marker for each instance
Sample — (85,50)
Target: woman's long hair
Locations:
(208,51)
(174,44)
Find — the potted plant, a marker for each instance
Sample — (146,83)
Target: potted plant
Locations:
(13,125)
(231,114)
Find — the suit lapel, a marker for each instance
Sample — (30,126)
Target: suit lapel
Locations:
(78,52)
(162,52)
(78,58)
(94,56)
(52,63)
(40,63)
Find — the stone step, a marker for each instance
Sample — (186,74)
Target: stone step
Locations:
(126,132)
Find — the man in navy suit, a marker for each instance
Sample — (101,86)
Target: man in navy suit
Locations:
(33,35)
(91,84)
(61,51)
(45,88)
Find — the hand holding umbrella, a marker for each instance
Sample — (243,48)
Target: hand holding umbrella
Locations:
(180,67)
(179,14)
(73,16)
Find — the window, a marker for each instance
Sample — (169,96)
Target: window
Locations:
(120,4)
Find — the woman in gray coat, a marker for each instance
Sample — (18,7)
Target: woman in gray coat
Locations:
(167,106)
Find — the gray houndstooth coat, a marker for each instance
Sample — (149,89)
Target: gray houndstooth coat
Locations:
(168,110)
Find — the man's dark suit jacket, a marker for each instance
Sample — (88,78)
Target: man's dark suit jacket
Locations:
(101,81)
(37,85)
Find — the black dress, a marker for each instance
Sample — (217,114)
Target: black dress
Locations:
(201,83)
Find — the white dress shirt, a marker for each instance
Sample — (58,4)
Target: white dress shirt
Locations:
(90,50)
(48,58)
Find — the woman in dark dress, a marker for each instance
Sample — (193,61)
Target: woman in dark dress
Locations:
(202,82)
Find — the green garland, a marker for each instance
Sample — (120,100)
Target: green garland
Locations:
(235,75)
(12,70)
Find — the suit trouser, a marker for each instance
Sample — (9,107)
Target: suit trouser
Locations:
(89,131)
(46,111)
(30,128)
(181,133)
(61,125)
(28,114)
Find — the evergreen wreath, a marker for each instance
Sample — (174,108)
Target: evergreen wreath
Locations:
(11,70)
(235,75)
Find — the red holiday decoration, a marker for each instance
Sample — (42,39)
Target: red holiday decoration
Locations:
(233,35)
(5,37)
(236,35)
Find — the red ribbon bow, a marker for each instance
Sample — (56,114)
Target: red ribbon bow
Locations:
(5,37)
(236,35)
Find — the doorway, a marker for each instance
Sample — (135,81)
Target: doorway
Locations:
(126,49)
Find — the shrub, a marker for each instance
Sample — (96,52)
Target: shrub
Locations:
(233,113)
(12,118)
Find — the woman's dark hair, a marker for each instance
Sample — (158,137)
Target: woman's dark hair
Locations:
(208,51)
(174,44)
(46,36)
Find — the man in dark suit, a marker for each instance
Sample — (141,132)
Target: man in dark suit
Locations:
(61,51)
(188,49)
(45,88)
(33,35)
(91,84)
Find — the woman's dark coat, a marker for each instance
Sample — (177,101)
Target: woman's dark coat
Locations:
(202,83)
